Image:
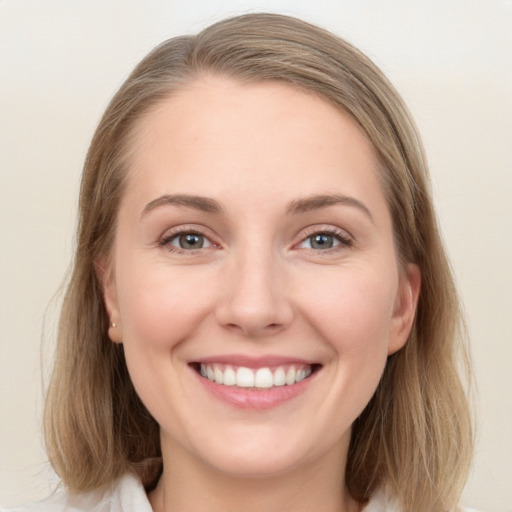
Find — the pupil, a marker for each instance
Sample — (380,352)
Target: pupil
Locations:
(322,241)
(191,241)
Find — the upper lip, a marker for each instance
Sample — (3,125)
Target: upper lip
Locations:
(253,362)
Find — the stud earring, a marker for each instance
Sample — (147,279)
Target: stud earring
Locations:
(113,325)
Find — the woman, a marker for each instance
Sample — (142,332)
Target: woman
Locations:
(261,314)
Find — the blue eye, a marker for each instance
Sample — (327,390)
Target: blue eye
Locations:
(189,241)
(324,240)
(186,241)
(321,241)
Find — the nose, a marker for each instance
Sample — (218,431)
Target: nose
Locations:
(254,299)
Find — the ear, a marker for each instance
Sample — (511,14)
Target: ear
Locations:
(106,276)
(405,308)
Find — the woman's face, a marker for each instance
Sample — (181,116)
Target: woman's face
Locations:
(254,281)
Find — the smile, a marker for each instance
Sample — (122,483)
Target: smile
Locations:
(255,383)
(260,378)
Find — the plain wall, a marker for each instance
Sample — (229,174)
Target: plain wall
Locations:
(61,61)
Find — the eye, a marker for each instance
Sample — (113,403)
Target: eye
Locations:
(321,241)
(186,241)
(325,240)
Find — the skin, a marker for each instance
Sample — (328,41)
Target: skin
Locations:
(257,287)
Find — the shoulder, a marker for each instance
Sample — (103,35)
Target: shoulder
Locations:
(381,502)
(125,495)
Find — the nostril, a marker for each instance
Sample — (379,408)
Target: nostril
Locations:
(254,330)
(235,327)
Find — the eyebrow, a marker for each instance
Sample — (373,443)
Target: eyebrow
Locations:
(323,201)
(303,205)
(204,204)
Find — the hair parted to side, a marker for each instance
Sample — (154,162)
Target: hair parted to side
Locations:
(415,435)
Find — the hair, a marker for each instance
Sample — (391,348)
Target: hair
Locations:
(415,436)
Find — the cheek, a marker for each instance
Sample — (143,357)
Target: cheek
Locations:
(357,322)
(161,305)
(353,314)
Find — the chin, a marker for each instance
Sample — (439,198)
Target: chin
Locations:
(264,451)
(256,465)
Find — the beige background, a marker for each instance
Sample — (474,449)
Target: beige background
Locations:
(60,62)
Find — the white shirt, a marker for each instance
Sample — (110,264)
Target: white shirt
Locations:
(128,495)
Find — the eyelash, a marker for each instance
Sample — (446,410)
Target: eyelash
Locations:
(166,241)
(339,235)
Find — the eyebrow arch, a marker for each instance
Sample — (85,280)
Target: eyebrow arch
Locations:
(322,201)
(204,204)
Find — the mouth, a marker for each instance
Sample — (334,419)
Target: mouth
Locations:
(257,379)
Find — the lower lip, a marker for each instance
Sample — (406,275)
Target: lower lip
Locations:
(259,399)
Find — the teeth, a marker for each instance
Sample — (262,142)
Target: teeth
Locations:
(219,376)
(262,378)
(290,376)
(279,377)
(244,377)
(229,377)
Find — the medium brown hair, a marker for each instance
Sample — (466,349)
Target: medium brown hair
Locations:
(414,437)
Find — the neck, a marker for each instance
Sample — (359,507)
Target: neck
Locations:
(188,484)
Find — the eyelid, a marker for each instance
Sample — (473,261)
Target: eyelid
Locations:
(346,240)
(344,237)
(170,234)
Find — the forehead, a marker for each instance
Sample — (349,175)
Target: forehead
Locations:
(218,137)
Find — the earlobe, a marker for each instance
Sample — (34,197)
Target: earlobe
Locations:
(114,332)
(106,277)
(405,308)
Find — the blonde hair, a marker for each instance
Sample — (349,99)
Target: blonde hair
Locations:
(415,435)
